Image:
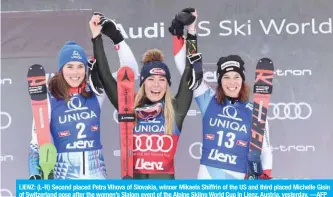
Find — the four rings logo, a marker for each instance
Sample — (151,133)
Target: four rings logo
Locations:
(5,118)
(290,111)
(75,104)
(144,143)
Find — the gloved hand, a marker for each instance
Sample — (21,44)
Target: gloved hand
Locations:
(255,170)
(110,29)
(197,71)
(93,77)
(182,19)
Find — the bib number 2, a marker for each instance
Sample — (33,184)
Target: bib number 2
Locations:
(80,144)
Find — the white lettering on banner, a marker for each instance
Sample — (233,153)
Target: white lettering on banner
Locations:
(210,76)
(141,164)
(144,143)
(81,144)
(294,148)
(149,128)
(6,192)
(6,158)
(8,117)
(293,72)
(215,155)
(286,27)
(292,111)
(193,112)
(6,81)
(234,28)
(191,151)
(155,31)
(205,29)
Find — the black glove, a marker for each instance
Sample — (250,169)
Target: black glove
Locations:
(181,20)
(197,71)
(110,29)
(254,166)
(93,77)
(185,16)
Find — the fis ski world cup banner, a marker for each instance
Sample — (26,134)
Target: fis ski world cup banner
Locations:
(171,188)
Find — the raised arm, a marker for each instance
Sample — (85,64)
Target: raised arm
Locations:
(108,82)
(184,97)
(202,92)
(125,54)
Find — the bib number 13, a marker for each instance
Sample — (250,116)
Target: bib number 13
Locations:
(230,139)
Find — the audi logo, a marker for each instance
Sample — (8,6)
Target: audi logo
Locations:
(195,153)
(8,117)
(291,111)
(6,192)
(153,143)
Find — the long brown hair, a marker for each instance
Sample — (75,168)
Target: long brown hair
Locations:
(244,93)
(58,87)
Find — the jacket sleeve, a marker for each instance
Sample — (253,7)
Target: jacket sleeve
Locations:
(126,58)
(183,99)
(108,82)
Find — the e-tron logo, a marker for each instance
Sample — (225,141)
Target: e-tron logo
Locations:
(5,118)
(283,73)
(195,150)
(294,148)
(6,158)
(292,111)
(6,81)
(144,143)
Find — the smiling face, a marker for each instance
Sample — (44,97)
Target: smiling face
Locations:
(155,87)
(74,73)
(231,84)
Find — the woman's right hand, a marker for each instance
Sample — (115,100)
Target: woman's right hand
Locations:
(95,28)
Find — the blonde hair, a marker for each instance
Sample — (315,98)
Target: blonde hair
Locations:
(141,99)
